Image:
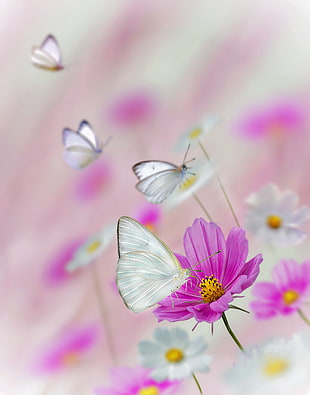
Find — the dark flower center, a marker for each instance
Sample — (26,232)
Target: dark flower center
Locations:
(211,289)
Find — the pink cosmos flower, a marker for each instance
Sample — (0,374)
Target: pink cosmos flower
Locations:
(287,292)
(66,350)
(132,109)
(137,381)
(93,180)
(216,280)
(149,215)
(283,117)
(55,273)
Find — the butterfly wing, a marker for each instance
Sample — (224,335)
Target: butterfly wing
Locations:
(47,56)
(157,179)
(150,167)
(147,270)
(86,131)
(144,279)
(158,187)
(79,152)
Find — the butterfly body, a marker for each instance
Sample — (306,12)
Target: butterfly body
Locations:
(47,55)
(81,147)
(158,179)
(147,270)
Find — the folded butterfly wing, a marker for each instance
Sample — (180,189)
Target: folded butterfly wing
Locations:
(147,270)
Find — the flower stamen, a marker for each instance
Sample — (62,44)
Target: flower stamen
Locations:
(189,182)
(93,246)
(211,289)
(274,221)
(290,296)
(174,355)
(195,133)
(149,390)
(275,366)
(70,358)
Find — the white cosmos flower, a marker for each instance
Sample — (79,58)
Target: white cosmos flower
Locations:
(280,366)
(273,218)
(196,132)
(173,355)
(199,174)
(93,247)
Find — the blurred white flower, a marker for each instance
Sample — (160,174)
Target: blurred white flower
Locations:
(173,355)
(272,216)
(93,247)
(196,132)
(200,173)
(280,366)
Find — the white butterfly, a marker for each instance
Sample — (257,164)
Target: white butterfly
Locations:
(147,270)
(81,147)
(47,56)
(158,179)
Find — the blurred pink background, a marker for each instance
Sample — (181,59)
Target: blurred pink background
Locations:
(142,72)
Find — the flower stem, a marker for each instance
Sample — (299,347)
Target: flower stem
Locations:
(307,321)
(103,312)
(203,207)
(235,339)
(221,185)
(197,383)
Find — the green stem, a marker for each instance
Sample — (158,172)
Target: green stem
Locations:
(104,315)
(307,321)
(202,207)
(197,383)
(235,339)
(221,185)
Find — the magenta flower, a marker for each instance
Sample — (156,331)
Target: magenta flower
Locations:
(283,117)
(137,381)
(67,350)
(287,292)
(56,273)
(216,280)
(93,180)
(132,109)
(149,215)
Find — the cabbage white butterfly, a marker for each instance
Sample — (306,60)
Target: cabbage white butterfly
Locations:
(147,270)
(158,179)
(81,147)
(47,56)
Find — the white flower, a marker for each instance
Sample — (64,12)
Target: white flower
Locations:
(272,216)
(93,247)
(173,355)
(196,132)
(200,174)
(279,366)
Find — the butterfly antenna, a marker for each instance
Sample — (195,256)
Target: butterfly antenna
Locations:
(186,152)
(204,259)
(107,142)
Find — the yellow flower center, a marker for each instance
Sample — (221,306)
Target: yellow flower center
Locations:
(274,221)
(93,246)
(189,182)
(276,128)
(174,355)
(290,296)
(150,226)
(195,133)
(150,390)
(211,289)
(275,366)
(70,358)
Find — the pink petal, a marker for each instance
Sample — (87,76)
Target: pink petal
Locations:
(202,240)
(237,252)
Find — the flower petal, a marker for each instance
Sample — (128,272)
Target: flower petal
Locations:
(202,240)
